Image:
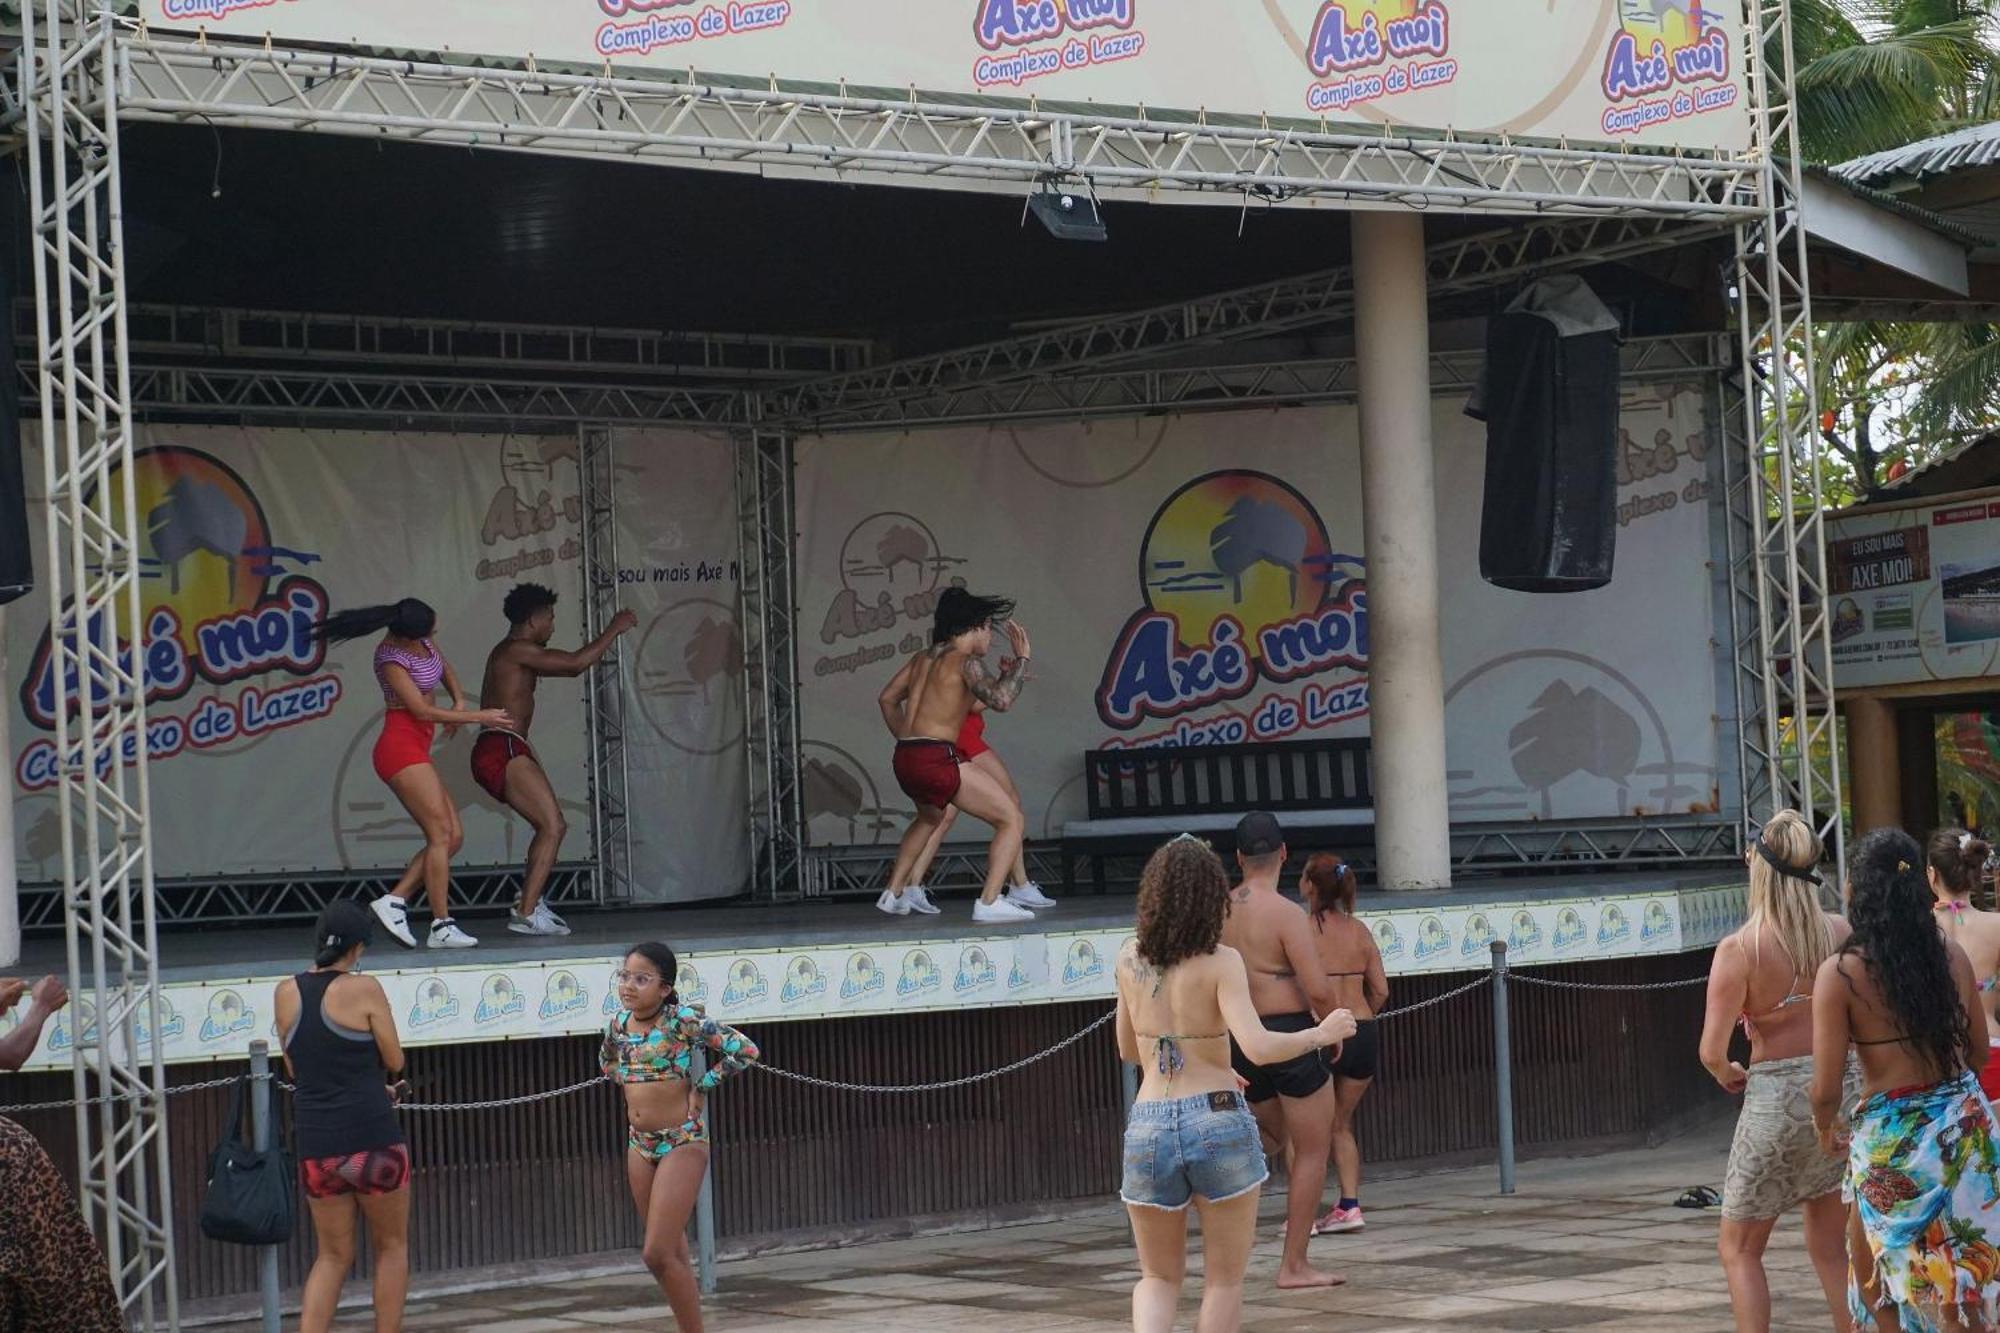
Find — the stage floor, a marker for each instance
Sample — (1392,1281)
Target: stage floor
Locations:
(750,963)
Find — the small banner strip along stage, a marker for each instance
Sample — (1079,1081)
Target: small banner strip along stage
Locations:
(215,1020)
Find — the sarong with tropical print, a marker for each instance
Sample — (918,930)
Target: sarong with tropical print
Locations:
(1924,1168)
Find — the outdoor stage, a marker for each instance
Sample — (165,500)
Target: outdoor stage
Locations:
(759,964)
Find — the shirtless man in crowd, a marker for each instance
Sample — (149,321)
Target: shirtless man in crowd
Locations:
(504,763)
(936,692)
(1294,1102)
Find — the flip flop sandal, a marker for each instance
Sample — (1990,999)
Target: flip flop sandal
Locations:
(1698,1196)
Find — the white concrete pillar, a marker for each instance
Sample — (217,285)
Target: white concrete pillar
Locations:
(1399,511)
(10,903)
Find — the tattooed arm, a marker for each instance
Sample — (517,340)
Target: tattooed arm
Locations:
(996,692)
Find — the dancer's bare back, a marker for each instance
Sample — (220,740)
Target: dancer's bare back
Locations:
(944,682)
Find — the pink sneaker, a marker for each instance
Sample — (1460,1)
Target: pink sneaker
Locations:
(1339,1220)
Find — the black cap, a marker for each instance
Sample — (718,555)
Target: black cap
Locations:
(344,924)
(1258,834)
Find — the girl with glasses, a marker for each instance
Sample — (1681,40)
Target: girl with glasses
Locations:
(649,1050)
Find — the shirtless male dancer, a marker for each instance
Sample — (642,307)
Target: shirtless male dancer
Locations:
(938,690)
(1294,1102)
(503,762)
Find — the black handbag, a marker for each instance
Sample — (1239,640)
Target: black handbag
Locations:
(252,1196)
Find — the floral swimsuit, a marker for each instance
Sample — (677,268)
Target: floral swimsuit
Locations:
(667,1054)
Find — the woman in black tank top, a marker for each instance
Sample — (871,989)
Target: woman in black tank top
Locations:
(347,1066)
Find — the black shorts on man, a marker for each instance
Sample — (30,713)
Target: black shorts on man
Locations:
(1301,1076)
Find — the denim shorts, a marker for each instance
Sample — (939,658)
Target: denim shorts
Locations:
(1206,1145)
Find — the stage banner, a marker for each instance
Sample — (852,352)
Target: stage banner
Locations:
(259,737)
(1655,72)
(1199,580)
(1915,592)
(573,995)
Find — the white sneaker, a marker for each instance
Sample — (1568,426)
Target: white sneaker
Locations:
(1000,912)
(1030,895)
(394,914)
(445,934)
(895,904)
(541,921)
(919,899)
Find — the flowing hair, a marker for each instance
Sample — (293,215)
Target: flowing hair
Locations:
(1959,858)
(1789,903)
(959,611)
(1897,940)
(1332,885)
(1183,897)
(407,619)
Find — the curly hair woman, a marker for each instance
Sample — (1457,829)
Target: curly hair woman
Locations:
(1761,980)
(1182,994)
(1922,1161)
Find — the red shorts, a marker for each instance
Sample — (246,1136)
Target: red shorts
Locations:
(1989,1077)
(376,1171)
(491,754)
(972,737)
(927,771)
(404,741)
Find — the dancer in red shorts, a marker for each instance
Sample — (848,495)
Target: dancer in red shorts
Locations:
(909,893)
(926,708)
(346,1061)
(502,760)
(410,668)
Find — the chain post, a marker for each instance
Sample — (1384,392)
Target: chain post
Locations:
(260,1139)
(1503,1067)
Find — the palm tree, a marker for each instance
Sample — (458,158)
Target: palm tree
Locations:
(1873,75)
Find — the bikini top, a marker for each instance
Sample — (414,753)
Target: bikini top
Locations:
(1169,1055)
(425,671)
(1793,995)
(1985,985)
(666,1053)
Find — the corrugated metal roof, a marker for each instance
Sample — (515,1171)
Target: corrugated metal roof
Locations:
(1951,228)
(1974,146)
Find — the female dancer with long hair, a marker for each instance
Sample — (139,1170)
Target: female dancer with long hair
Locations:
(1190,1138)
(908,893)
(1957,862)
(342,1051)
(1923,1164)
(1762,978)
(409,669)
(1353,962)
(649,1049)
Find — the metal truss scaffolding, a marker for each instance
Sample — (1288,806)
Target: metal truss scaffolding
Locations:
(66,72)
(899,138)
(1788,719)
(768,615)
(607,686)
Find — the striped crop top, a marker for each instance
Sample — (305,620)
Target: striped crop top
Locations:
(667,1052)
(425,672)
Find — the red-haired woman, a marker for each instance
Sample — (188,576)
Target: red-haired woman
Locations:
(1354,964)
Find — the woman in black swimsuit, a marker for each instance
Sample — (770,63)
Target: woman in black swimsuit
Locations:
(1353,963)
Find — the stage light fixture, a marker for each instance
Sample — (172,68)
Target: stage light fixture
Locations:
(1069,215)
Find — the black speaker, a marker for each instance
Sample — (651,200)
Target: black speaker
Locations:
(17,572)
(1550,403)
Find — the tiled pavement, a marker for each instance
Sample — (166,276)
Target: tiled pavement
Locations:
(1586,1243)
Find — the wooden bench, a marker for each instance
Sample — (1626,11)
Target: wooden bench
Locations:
(1138,798)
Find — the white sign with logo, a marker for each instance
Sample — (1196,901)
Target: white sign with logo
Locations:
(1201,580)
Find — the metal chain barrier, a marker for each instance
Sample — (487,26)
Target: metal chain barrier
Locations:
(837,1085)
(68,1102)
(1551,982)
(942,1084)
(1466,989)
